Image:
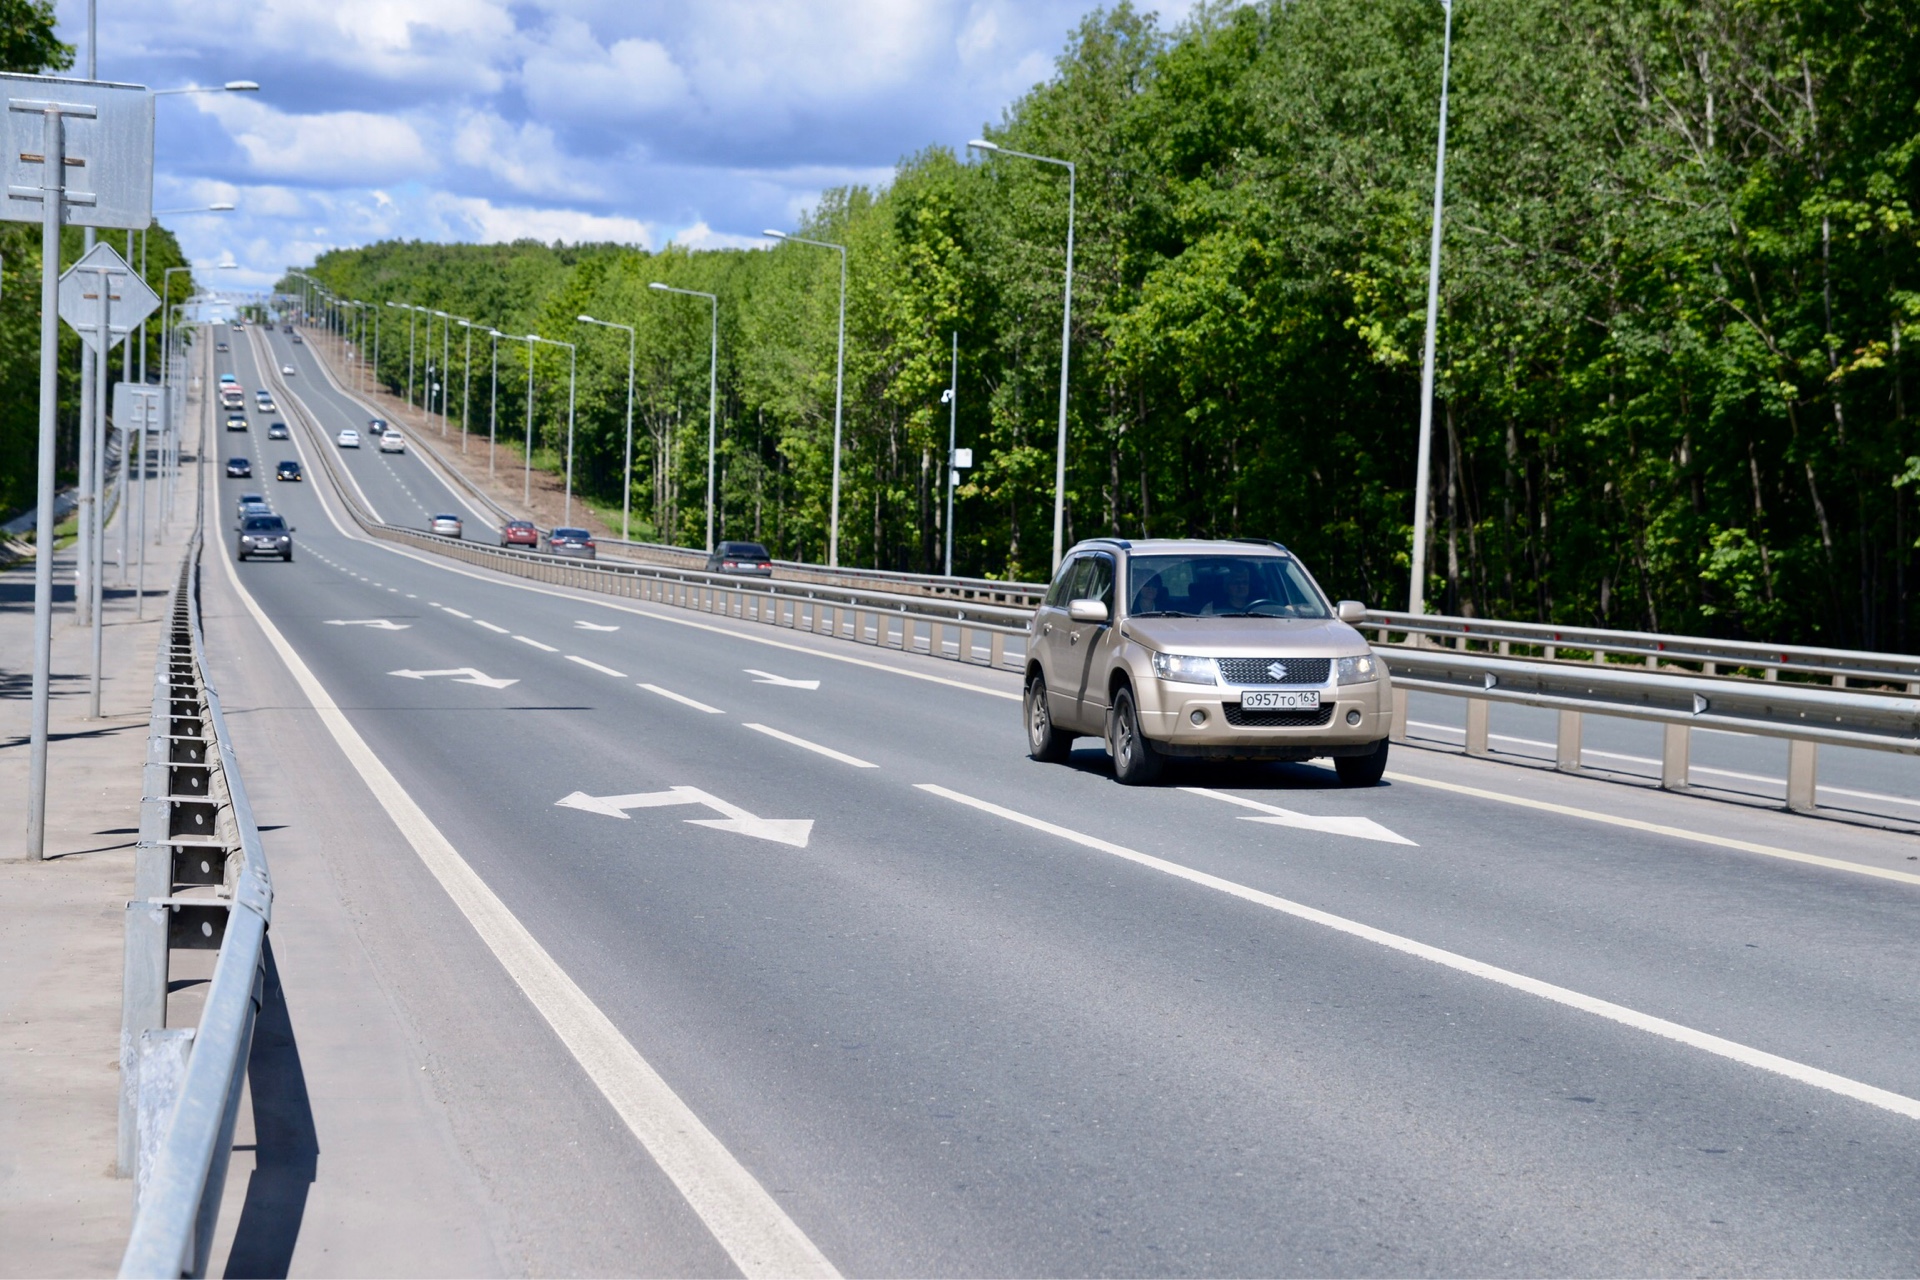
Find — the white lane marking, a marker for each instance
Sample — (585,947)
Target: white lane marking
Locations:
(1697,768)
(682,698)
(468,675)
(378,624)
(595,626)
(434,603)
(544,648)
(744,1219)
(412,596)
(588,662)
(828,752)
(482,622)
(793,831)
(1897,1103)
(767,677)
(1363,828)
(1660,829)
(455,612)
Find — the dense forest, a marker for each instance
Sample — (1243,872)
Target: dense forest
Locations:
(28,44)
(1679,269)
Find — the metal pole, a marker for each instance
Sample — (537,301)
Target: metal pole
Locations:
(572,366)
(953,427)
(1066,337)
(493,405)
(1417,586)
(526,480)
(466,389)
(713,391)
(52,192)
(626,487)
(140,575)
(410,313)
(839,382)
(446,360)
(103,374)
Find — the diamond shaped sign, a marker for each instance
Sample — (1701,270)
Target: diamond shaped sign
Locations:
(102,287)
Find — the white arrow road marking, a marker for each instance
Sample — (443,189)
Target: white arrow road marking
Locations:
(596,626)
(465,675)
(588,662)
(683,699)
(767,677)
(378,624)
(828,752)
(793,831)
(1362,828)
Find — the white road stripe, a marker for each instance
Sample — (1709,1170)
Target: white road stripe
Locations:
(455,612)
(682,698)
(745,1220)
(482,622)
(828,752)
(546,648)
(1800,1072)
(588,662)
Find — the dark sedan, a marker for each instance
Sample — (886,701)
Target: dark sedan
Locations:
(239,469)
(571,542)
(288,469)
(748,558)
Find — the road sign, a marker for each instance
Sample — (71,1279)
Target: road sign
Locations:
(139,407)
(103,277)
(109,150)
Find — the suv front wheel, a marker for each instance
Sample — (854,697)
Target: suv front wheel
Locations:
(1135,762)
(1044,742)
(1362,771)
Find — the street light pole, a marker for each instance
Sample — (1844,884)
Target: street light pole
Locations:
(493,403)
(1066,337)
(626,489)
(1417,587)
(713,390)
(839,382)
(526,481)
(953,428)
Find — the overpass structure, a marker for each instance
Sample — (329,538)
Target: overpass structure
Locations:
(730,930)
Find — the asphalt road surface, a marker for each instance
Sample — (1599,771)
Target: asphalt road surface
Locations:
(956,1012)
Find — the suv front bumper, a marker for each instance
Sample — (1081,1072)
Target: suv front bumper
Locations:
(1351,719)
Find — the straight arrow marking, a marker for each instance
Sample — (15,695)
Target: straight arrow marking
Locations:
(1273,815)
(767,677)
(378,624)
(462,675)
(790,831)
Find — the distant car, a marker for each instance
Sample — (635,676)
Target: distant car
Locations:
(276,431)
(571,542)
(265,404)
(220,346)
(392,442)
(747,558)
(288,469)
(287,369)
(519,533)
(296,342)
(348,438)
(376,426)
(246,500)
(239,469)
(225,378)
(265,535)
(286,328)
(444,525)
(236,422)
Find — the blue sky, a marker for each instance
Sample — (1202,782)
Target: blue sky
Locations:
(629,120)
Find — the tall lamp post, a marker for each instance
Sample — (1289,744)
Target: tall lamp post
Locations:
(713,390)
(1417,588)
(572,366)
(409,308)
(626,487)
(839,380)
(1066,335)
(493,402)
(526,478)
(466,388)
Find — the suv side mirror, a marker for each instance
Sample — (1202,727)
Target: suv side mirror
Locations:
(1352,611)
(1087,611)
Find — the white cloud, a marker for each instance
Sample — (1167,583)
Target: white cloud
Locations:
(571,76)
(488,223)
(702,236)
(341,146)
(528,159)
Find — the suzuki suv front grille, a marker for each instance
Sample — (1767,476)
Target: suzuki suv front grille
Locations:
(1248,671)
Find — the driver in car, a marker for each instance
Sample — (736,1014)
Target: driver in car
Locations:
(1239,593)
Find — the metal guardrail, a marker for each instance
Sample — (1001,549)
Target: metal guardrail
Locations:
(200,883)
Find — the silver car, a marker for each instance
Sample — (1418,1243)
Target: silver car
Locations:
(1216,650)
(444,525)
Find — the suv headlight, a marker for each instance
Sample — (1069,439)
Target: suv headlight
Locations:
(1186,669)
(1358,670)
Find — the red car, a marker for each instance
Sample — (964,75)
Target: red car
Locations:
(519,533)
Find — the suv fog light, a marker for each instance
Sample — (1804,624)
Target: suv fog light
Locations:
(1198,717)
(1353,717)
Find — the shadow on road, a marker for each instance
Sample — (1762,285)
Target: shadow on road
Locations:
(286,1148)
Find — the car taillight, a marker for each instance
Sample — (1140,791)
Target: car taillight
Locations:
(764,565)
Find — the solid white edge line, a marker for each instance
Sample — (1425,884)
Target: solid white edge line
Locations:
(589,662)
(1732,1050)
(828,752)
(1661,829)
(682,698)
(544,648)
(746,1221)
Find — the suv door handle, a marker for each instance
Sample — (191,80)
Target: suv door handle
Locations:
(1073,637)
(1046,628)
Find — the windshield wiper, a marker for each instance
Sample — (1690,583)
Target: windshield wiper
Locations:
(1163,613)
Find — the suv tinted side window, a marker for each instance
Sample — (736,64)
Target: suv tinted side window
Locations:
(1095,582)
(1057,596)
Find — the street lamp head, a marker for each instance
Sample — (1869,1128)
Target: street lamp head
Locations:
(981,144)
(777,235)
(657,285)
(586,320)
(241,86)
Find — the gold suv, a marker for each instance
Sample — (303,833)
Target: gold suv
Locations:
(1217,650)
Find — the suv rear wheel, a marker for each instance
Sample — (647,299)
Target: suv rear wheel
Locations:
(1044,742)
(1135,762)
(1362,771)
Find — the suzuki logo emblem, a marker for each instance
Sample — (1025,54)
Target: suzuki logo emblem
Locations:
(1277,671)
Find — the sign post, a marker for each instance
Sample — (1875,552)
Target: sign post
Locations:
(77,151)
(142,410)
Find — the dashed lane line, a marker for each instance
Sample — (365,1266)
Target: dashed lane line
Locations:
(682,698)
(1706,1042)
(828,752)
(482,622)
(589,662)
(544,648)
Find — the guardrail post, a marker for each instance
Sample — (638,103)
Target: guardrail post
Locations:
(160,1064)
(966,644)
(1803,763)
(1675,748)
(996,650)
(937,639)
(1477,709)
(1566,755)
(143,1009)
(1397,725)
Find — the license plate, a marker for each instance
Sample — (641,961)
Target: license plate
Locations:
(1275,700)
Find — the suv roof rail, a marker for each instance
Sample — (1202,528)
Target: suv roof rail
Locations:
(1121,543)
(1261,542)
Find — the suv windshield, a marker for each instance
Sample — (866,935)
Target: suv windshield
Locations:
(1221,586)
